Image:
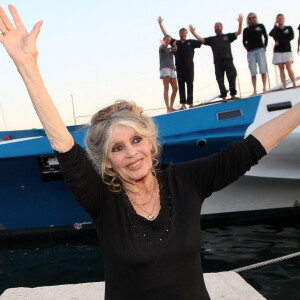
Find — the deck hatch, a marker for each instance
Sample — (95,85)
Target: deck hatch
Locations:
(279,106)
(230,114)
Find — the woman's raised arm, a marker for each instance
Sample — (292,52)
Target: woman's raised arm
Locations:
(271,133)
(21,47)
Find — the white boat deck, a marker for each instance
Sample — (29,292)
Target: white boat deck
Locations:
(224,285)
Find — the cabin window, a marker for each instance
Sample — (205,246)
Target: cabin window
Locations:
(230,114)
(279,106)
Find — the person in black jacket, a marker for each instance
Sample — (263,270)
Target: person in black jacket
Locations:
(255,40)
(283,56)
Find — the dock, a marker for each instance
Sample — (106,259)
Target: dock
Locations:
(223,285)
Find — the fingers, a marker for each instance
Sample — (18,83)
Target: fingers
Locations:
(2,27)
(6,21)
(15,16)
(36,30)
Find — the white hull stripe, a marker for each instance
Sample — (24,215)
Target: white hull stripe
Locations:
(20,140)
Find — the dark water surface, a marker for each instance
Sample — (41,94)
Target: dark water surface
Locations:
(39,263)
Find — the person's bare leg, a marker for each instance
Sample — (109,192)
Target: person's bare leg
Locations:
(173,83)
(291,72)
(253,78)
(166,82)
(282,75)
(264,82)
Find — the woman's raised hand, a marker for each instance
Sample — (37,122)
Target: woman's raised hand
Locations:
(20,45)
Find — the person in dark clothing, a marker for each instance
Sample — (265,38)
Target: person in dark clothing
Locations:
(256,48)
(283,56)
(184,60)
(148,221)
(223,60)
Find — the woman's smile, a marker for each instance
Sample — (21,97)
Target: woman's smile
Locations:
(129,154)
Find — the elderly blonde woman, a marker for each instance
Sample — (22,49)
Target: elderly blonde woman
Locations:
(148,221)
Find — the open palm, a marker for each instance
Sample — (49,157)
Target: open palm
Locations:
(20,45)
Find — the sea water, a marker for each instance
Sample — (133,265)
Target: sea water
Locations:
(52,262)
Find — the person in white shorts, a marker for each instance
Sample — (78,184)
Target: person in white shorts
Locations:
(283,56)
(167,70)
(255,40)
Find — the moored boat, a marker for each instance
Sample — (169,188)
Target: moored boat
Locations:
(34,196)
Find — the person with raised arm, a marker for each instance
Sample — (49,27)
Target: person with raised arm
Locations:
(255,41)
(223,60)
(167,70)
(147,220)
(283,56)
(184,60)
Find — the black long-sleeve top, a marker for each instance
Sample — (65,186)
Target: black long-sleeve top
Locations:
(157,259)
(252,37)
(283,36)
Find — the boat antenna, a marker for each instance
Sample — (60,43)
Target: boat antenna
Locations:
(3,117)
(73,109)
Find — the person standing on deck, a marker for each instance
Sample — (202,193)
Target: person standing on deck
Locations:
(167,70)
(223,60)
(184,60)
(282,50)
(256,48)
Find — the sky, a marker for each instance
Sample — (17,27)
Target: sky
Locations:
(98,51)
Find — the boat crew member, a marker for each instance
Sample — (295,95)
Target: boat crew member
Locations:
(255,40)
(223,60)
(148,221)
(283,56)
(167,70)
(184,60)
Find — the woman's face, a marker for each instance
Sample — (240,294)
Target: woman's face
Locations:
(280,20)
(129,154)
(252,19)
(167,40)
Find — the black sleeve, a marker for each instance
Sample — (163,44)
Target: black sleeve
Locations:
(245,38)
(232,37)
(196,43)
(172,41)
(264,32)
(273,31)
(215,172)
(299,27)
(82,179)
(208,41)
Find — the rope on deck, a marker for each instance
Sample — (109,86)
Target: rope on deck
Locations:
(267,262)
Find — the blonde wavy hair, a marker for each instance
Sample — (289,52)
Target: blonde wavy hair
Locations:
(100,131)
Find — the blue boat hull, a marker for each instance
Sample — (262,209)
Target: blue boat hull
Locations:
(33,194)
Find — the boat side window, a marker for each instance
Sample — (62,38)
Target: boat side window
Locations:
(279,106)
(230,114)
